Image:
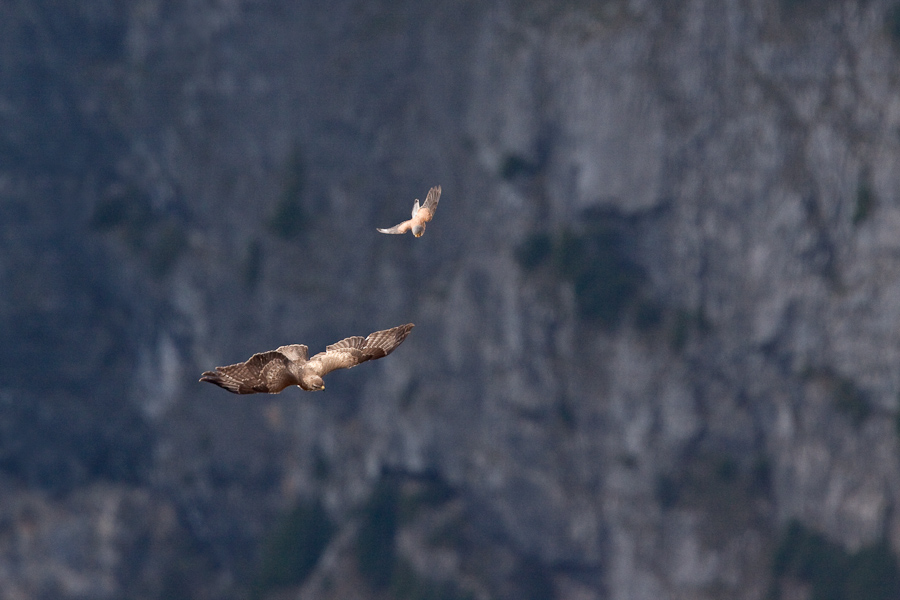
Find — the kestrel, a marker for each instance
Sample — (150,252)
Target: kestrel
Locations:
(270,372)
(420,216)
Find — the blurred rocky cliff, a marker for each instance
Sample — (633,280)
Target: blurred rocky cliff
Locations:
(656,346)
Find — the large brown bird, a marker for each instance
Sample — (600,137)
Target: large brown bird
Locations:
(270,372)
(420,216)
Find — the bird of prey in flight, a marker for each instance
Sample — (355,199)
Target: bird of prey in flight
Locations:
(270,372)
(420,216)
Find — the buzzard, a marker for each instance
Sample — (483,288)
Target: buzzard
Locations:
(420,216)
(270,372)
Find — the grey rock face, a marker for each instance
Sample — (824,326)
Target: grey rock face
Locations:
(654,312)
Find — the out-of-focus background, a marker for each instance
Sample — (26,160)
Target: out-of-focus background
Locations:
(657,343)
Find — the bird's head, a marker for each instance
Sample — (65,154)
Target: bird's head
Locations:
(418,230)
(312,383)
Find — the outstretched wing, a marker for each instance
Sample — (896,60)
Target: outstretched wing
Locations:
(431,201)
(401,228)
(266,372)
(295,352)
(352,351)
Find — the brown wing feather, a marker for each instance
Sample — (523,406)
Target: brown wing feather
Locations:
(381,343)
(400,228)
(431,201)
(340,355)
(295,352)
(266,372)
(352,351)
(343,358)
(356,341)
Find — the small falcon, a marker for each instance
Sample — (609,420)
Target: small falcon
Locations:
(270,372)
(420,216)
